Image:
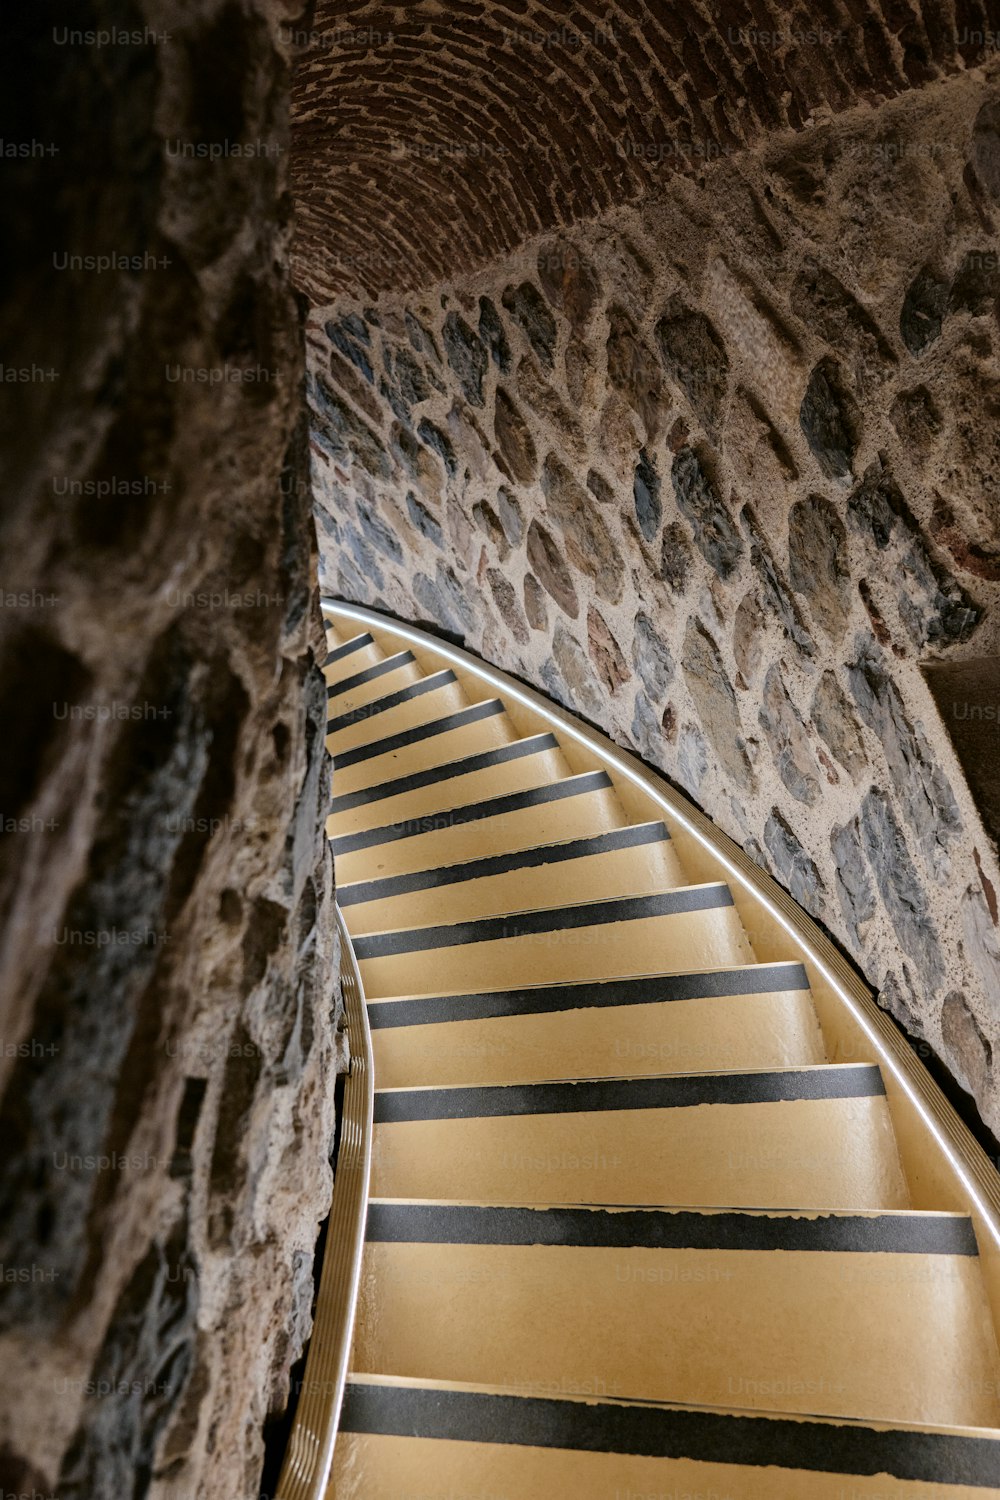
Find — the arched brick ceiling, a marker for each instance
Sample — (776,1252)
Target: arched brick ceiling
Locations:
(432,136)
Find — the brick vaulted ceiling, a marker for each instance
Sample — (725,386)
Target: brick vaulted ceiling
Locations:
(433,136)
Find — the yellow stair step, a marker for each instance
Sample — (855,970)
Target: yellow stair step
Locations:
(580,805)
(818,1137)
(489,773)
(748,1017)
(480,726)
(354,690)
(690,927)
(357,653)
(439,1438)
(633,861)
(430,698)
(880,1316)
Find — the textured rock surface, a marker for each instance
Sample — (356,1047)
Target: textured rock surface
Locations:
(734,565)
(168,1014)
(786,735)
(817,557)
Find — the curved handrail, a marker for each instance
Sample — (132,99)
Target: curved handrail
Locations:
(305,1472)
(926,1122)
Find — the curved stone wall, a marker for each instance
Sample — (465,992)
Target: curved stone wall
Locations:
(721,471)
(168,1022)
(432,138)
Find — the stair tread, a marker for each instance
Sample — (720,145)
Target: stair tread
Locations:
(689,926)
(570,914)
(356,643)
(341,687)
(437,697)
(797,1138)
(479,811)
(865,1315)
(447,771)
(520,766)
(473,1438)
(419,733)
(636,835)
(577,806)
(358,695)
(643,864)
(628,989)
(389,701)
(721,1020)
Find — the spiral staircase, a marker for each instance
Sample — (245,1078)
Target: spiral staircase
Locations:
(639,1193)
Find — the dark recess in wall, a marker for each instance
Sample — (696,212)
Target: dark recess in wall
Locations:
(967,694)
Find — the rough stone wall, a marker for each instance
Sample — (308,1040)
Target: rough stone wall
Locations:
(721,472)
(169,1020)
(435,135)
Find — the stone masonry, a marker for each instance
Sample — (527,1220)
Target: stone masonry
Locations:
(169,1020)
(721,472)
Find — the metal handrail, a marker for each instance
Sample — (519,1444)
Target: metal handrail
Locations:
(305,1472)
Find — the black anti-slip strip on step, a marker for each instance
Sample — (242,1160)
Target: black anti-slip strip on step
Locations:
(537,744)
(340,652)
(543,999)
(493,807)
(663,1432)
(678,1091)
(633,837)
(370,674)
(651,1229)
(531,923)
(393,700)
(458,720)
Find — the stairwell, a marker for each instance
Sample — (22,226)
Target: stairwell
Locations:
(635,1226)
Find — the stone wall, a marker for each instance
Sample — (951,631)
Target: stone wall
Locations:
(169,1021)
(721,472)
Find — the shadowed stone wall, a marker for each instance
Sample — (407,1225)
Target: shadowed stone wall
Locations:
(169,1040)
(721,472)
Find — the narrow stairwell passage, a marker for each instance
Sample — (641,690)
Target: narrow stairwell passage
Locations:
(637,1224)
